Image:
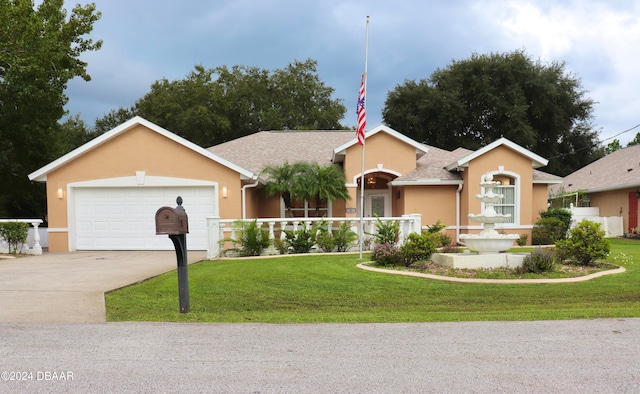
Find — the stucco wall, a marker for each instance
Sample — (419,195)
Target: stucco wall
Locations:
(613,203)
(432,202)
(137,149)
(512,163)
(539,201)
(381,148)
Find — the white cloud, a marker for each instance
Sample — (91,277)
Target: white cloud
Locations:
(597,40)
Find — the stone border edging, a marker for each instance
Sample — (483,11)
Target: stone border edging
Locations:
(492,281)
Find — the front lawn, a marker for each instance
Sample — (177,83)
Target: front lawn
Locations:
(329,288)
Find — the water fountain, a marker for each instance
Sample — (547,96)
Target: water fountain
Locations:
(488,243)
(489,240)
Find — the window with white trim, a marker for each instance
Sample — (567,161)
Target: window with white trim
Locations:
(508,203)
(307,208)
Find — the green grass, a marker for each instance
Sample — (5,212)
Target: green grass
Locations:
(329,288)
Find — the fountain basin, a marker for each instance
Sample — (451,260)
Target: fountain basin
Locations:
(494,244)
(487,219)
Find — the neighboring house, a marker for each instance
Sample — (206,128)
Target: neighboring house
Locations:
(612,184)
(104,194)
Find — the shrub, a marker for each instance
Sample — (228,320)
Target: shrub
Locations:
(344,237)
(15,233)
(547,231)
(386,254)
(436,228)
(564,215)
(325,241)
(522,241)
(585,245)
(540,260)
(301,240)
(281,246)
(387,232)
(419,247)
(253,239)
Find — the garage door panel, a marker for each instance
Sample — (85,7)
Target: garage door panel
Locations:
(124,218)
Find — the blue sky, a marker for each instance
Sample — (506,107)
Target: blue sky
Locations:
(146,40)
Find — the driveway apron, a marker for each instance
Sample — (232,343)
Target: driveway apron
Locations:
(70,287)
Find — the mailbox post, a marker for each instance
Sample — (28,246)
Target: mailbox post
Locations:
(175,223)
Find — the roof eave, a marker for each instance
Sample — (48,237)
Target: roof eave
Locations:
(536,160)
(341,150)
(607,188)
(40,175)
(428,182)
(548,181)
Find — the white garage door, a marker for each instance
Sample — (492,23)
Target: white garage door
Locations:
(123,218)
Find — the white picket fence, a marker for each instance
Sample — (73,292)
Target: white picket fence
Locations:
(220,229)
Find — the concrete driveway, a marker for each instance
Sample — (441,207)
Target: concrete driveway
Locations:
(70,287)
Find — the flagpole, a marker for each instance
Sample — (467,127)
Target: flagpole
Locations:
(366,60)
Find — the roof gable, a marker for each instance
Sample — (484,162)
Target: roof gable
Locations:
(536,161)
(340,151)
(40,175)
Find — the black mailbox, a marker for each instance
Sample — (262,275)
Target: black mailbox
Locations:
(175,223)
(172,221)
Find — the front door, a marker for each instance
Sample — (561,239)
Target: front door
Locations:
(377,204)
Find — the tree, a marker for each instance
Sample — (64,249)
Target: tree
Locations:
(73,133)
(305,181)
(211,106)
(612,146)
(323,183)
(473,102)
(40,52)
(111,120)
(193,108)
(285,180)
(635,140)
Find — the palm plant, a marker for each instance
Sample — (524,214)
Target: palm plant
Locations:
(324,183)
(305,181)
(284,179)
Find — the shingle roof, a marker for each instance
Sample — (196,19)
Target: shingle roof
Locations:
(256,151)
(431,166)
(617,170)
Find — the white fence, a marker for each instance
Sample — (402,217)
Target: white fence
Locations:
(33,245)
(612,225)
(220,229)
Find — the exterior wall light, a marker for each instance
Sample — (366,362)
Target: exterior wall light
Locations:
(225,192)
(60,193)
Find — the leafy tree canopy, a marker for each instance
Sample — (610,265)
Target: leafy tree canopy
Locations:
(473,102)
(635,140)
(612,146)
(211,106)
(40,52)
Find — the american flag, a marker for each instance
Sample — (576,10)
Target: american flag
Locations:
(362,120)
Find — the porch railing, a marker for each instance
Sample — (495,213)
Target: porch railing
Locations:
(34,248)
(221,229)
